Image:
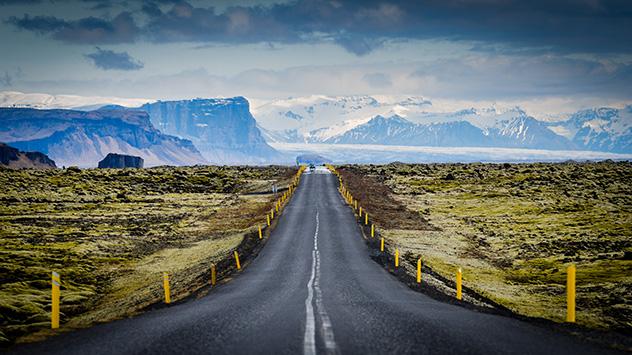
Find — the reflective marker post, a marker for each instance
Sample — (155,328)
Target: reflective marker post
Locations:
(165,285)
(570,294)
(459,291)
(54,311)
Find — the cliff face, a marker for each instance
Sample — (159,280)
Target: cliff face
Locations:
(15,159)
(120,161)
(83,138)
(224,130)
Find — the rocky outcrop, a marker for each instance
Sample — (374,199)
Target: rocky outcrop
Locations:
(15,159)
(223,129)
(83,138)
(120,161)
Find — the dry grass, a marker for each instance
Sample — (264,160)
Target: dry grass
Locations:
(515,228)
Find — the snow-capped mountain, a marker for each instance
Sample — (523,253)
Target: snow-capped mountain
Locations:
(317,118)
(522,131)
(396,130)
(397,120)
(225,131)
(599,129)
(527,132)
(45,101)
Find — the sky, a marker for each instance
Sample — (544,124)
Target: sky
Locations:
(546,55)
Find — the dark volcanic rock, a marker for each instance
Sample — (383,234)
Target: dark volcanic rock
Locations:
(119,161)
(13,158)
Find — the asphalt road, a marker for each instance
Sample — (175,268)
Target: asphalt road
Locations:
(314,289)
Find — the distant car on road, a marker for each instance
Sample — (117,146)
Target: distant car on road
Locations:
(312,167)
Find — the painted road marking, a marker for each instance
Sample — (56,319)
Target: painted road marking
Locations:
(309,341)
(313,289)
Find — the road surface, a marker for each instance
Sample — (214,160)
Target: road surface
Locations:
(314,290)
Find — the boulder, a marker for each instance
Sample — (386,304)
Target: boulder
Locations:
(120,161)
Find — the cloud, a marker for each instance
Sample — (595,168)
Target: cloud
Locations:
(474,78)
(19,2)
(362,26)
(358,45)
(110,60)
(88,30)
(9,77)
(378,80)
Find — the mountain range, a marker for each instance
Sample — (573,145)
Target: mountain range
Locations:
(83,138)
(18,99)
(184,132)
(224,130)
(414,121)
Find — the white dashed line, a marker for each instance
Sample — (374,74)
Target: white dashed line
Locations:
(313,289)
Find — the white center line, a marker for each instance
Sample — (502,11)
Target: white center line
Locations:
(313,287)
(309,347)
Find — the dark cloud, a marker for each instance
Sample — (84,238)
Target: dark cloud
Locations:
(361,26)
(19,2)
(358,45)
(110,60)
(89,30)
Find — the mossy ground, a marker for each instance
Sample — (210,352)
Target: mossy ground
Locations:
(111,234)
(514,228)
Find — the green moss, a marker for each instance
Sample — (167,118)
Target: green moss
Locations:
(97,226)
(516,228)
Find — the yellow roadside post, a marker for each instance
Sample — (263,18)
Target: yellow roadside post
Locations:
(396,257)
(459,291)
(237,260)
(213,275)
(356,204)
(272,213)
(360,210)
(260,234)
(268,219)
(366,218)
(54,311)
(419,270)
(382,244)
(165,285)
(372,230)
(570,294)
